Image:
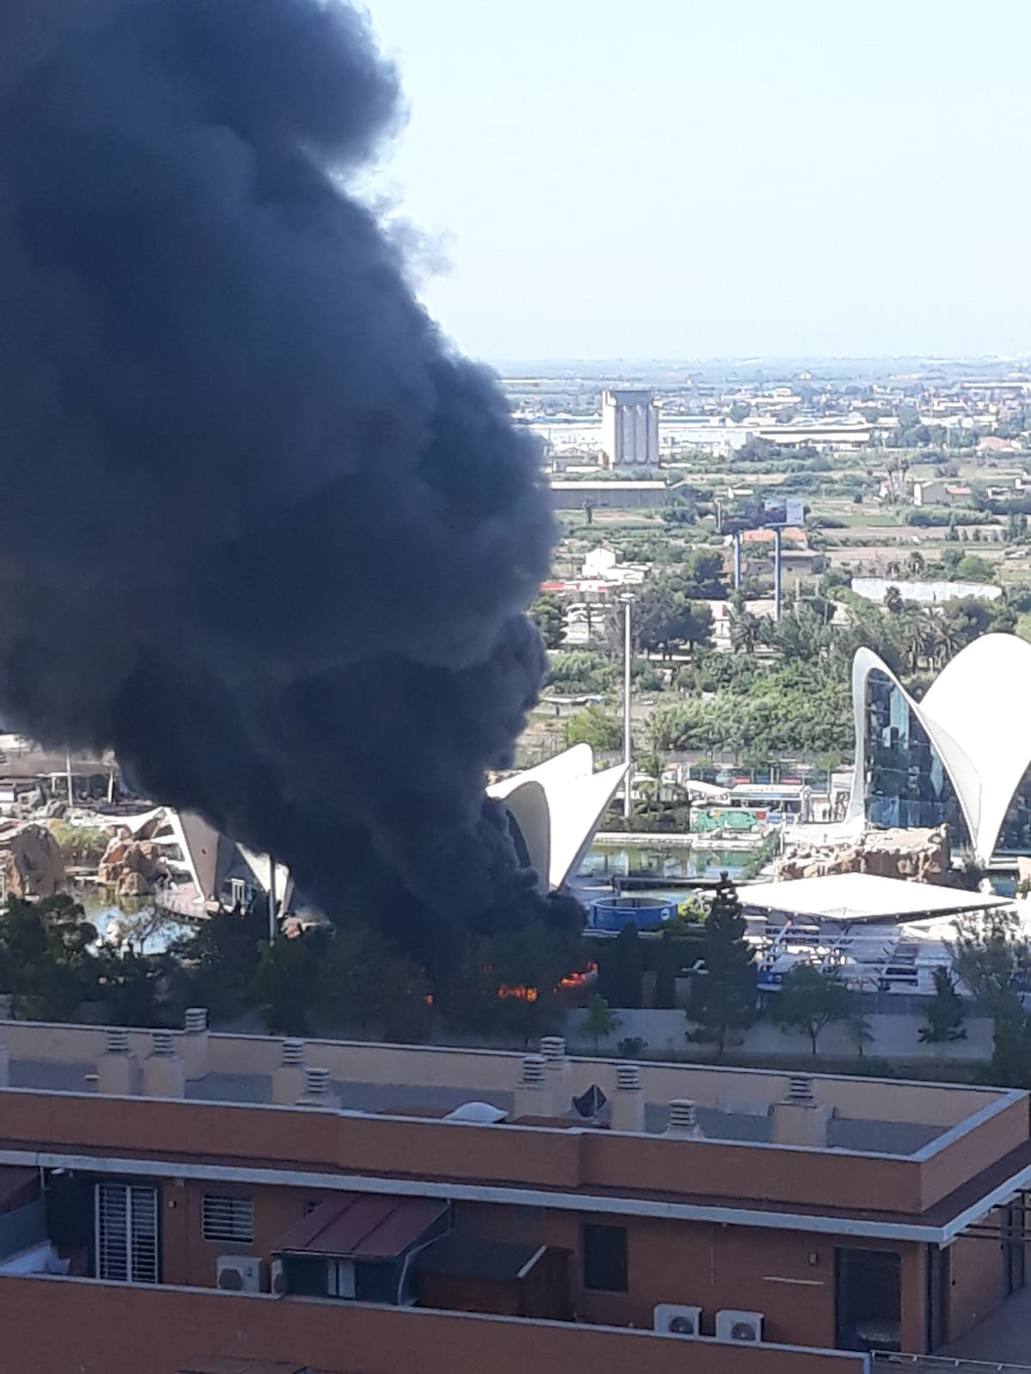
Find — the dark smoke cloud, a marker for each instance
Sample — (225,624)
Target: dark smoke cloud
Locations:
(265,533)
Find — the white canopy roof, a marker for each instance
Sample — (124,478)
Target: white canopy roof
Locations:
(558,806)
(975,714)
(862,897)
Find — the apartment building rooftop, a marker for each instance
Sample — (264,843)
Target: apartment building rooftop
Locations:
(751,1145)
(410,1203)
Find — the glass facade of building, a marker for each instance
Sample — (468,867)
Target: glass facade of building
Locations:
(1015,835)
(906,782)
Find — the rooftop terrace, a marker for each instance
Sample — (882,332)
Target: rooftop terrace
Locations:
(912,1157)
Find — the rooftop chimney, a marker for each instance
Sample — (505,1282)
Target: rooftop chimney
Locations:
(318,1089)
(531,1094)
(557,1076)
(627,1110)
(800,1119)
(117,1071)
(683,1120)
(163,1074)
(293,1052)
(193,1044)
(288,1080)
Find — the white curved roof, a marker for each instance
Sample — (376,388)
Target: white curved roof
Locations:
(850,897)
(976,715)
(558,806)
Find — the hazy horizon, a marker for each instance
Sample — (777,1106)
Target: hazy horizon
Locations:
(718,179)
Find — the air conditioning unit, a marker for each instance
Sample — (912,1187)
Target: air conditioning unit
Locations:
(277,1278)
(739,1326)
(238,1273)
(676,1319)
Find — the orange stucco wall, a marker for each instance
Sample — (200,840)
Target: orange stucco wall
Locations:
(305,1139)
(787,1275)
(976,1282)
(57,1326)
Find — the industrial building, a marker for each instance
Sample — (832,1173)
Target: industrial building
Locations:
(629,429)
(183,1201)
(608,494)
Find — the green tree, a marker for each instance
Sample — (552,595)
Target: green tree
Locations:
(594,726)
(621,968)
(703,573)
(809,1000)
(355,978)
(665,617)
(944,1012)
(970,568)
(893,602)
(45,957)
(1011,1045)
(600,1022)
(990,954)
(745,630)
(860,1030)
(723,994)
(549,617)
(215,965)
(915,563)
(130,986)
(664,994)
(282,983)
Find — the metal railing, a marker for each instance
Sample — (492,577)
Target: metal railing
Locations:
(885,1363)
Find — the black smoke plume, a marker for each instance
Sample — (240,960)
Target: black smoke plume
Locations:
(264,532)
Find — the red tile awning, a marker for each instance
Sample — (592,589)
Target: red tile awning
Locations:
(363,1226)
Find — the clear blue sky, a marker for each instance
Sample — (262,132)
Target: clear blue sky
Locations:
(682,178)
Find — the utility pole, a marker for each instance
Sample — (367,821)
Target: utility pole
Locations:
(737,560)
(68,775)
(271,899)
(776,573)
(627,736)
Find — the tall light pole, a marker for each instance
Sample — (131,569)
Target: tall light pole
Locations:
(628,751)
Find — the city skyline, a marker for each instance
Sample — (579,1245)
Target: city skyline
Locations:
(811,180)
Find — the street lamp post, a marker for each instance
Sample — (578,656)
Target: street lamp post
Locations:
(627,601)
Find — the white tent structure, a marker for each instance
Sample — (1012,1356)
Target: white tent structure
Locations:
(975,714)
(848,897)
(874,933)
(557,807)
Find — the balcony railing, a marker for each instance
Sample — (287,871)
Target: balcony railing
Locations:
(941,1364)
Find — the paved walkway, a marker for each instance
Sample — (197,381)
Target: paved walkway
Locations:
(1004,1336)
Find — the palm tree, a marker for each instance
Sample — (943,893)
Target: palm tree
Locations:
(893,602)
(948,640)
(915,563)
(600,1022)
(917,638)
(744,631)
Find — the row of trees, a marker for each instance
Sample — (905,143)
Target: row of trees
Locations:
(723,998)
(347,978)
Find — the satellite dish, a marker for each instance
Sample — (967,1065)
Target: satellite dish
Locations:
(590,1103)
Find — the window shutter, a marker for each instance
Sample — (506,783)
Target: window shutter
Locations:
(227,1218)
(126,1233)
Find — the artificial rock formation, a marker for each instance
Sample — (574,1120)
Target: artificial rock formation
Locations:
(31,861)
(921,854)
(132,867)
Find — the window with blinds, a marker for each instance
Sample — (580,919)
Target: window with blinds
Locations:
(126,1238)
(227,1218)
